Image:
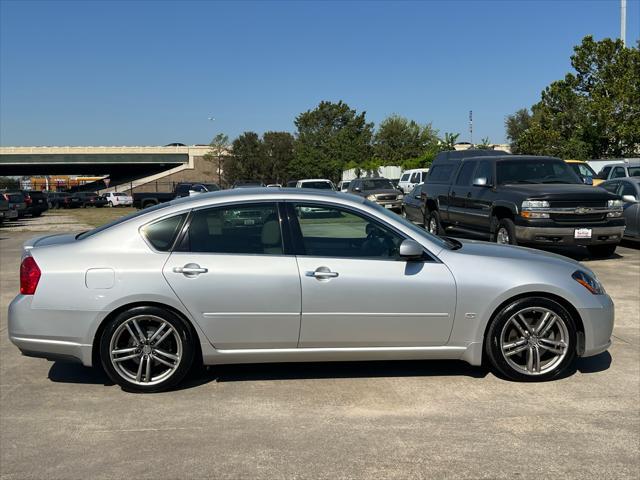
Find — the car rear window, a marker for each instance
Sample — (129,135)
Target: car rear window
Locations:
(162,234)
(634,171)
(317,185)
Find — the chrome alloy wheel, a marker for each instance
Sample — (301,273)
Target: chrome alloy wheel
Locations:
(502,236)
(145,350)
(534,341)
(433,226)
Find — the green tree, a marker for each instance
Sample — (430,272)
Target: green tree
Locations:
(485,144)
(398,139)
(219,148)
(9,183)
(515,125)
(592,113)
(449,141)
(329,137)
(246,161)
(278,148)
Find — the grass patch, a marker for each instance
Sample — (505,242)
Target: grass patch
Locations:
(93,216)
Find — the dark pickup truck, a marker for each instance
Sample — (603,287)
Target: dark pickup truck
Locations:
(148,199)
(521,200)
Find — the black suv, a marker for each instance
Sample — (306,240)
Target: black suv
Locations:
(521,200)
(36,202)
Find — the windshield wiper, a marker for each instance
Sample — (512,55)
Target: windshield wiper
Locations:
(524,181)
(453,243)
(555,181)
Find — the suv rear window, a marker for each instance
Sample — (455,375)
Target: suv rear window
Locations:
(441,173)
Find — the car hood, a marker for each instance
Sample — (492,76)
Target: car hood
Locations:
(512,252)
(565,191)
(46,240)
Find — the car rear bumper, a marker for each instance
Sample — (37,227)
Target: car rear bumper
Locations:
(53,335)
(566,235)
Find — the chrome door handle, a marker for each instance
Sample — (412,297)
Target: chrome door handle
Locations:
(321,273)
(190,269)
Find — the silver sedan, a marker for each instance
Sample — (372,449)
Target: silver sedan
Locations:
(243,276)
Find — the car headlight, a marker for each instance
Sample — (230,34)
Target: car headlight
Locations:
(589,282)
(530,209)
(400,196)
(371,197)
(529,204)
(615,205)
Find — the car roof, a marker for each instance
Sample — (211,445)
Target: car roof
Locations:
(512,157)
(627,162)
(315,180)
(623,179)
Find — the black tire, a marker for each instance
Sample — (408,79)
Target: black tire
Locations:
(432,223)
(504,226)
(36,215)
(110,204)
(498,327)
(147,317)
(601,251)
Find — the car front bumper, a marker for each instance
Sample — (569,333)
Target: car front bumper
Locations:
(393,205)
(566,235)
(598,326)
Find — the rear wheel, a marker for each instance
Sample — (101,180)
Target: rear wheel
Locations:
(110,204)
(147,349)
(601,251)
(532,339)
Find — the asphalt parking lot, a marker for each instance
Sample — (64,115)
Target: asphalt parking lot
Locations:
(437,419)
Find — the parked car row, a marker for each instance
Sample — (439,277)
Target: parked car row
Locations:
(20,203)
(524,200)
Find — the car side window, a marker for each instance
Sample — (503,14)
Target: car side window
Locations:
(415,178)
(626,189)
(162,234)
(328,231)
(465,174)
(484,170)
(405,177)
(618,172)
(235,229)
(611,187)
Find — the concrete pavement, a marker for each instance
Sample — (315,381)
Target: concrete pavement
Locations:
(340,420)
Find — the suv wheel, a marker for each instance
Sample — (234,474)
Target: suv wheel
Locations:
(505,232)
(433,224)
(146,349)
(531,339)
(601,251)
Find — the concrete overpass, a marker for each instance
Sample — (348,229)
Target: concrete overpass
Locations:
(136,166)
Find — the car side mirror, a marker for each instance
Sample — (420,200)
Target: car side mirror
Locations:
(410,250)
(629,199)
(193,192)
(481,182)
(587,180)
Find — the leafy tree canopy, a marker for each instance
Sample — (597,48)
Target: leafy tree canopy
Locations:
(398,139)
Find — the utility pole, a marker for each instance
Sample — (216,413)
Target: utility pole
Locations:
(471,127)
(623,22)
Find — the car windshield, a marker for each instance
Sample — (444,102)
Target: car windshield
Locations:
(120,220)
(535,171)
(583,169)
(211,187)
(320,185)
(377,184)
(441,242)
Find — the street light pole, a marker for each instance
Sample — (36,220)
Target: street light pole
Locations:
(623,22)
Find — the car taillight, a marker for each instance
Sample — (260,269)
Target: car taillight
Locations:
(29,276)
(27,199)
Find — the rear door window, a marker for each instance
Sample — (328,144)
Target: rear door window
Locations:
(162,234)
(415,178)
(618,172)
(441,173)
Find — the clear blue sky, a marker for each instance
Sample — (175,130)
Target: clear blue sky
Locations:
(150,73)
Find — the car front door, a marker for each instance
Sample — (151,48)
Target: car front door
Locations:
(231,272)
(480,199)
(460,194)
(631,210)
(357,292)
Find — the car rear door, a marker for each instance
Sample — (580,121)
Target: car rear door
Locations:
(356,292)
(459,195)
(231,272)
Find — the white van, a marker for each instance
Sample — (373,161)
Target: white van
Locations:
(411,178)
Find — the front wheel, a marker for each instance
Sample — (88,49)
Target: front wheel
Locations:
(505,232)
(110,204)
(532,339)
(433,223)
(147,349)
(601,251)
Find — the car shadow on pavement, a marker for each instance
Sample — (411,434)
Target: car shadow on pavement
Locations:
(64,372)
(328,370)
(69,372)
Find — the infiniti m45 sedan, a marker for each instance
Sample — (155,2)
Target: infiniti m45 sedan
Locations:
(242,276)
